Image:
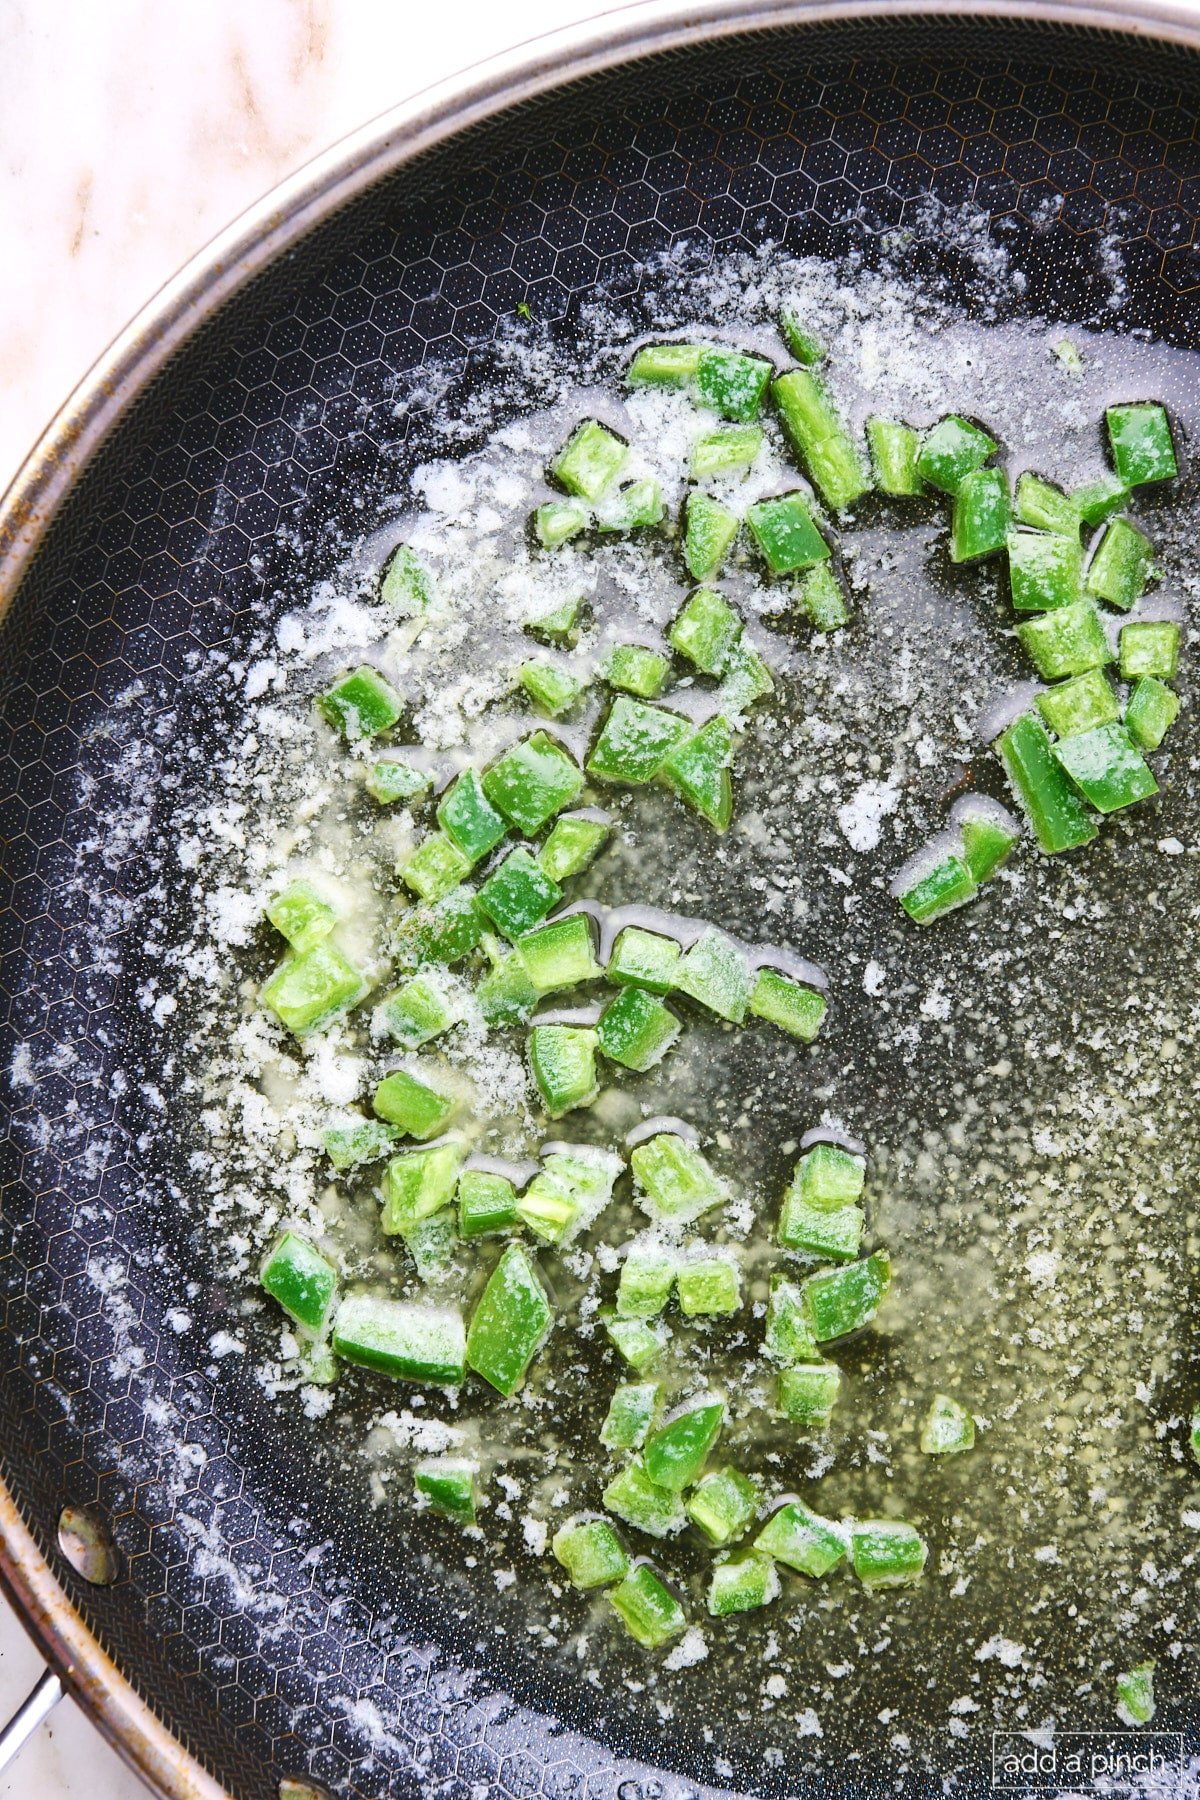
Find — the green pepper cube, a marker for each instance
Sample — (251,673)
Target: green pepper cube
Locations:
(1079,704)
(307,991)
(649,1611)
(802,1540)
(746,679)
(887,1552)
(1045,570)
(742,1585)
(829,1175)
(806,348)
(447,1485)
(1122,564)
(633,669)
(708,1286)
(407,585)
(728,450)
(929,890)
(831,1232)
(948,1427)
(303,918)
(894,450)
(1046,507)
(361,704)
(847,1299)
(511,1322)
(304,1282)
(1150,712)
(556,522)
(635,507)
(575,840)
(591,1553)
(982,512)
(553,690)
(664,365)
(1135,1694)
(676,1183)
(563,1061)
(708,531)
(349,1146)
(807,1393)
(698,771)
(420,1010)
(506,995)
(431,1243)
(636,1029)
(952,451)
(560,955)
(629,1414)
(1194,1437)
(487,1203)
(836,468)
(590,460)
(1058,816)
(412,1105)
(639,1343)
(715,973)
(408,1340)
(678,1450)
(794,1008)
(468,819)
(1098,500)
(1148,647)
(518,895)
(635,741)
(644,959)
(632,1496)
(647,1277)
(785,534)
(1142,450)
(1066,642)
(552,1205)
(787,1333)
(822,600)
(418,1183)
(532,782)
(705,630)
(443,931)
(389,779)
(816,433)
(1107,767)
(435,867)
(732,383)
(721,1505)
(560,625)
(989,834)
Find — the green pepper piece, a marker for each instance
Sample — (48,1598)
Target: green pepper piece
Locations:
(518,895)
(647,1277)
(664,365)
(1045,570)
(574,1184)
(806,348)
(563,1061)
(698,771)
(989,834)
(435,867)
(708,531)
(1046,507)
(306,991)
(301,1279)
(721,1505)
(742,1585)
(506,995)
(1135,1694)
(807,1393)
(635,741)
(416,1108)
(832,1232)
(1098,500)
(644,959)
(532,782)
(934,889)
(487,1203)
(444,931)
(574,841)
(982,511)
(418,1183)
(828,1175)
(1194,1437)
(746,678)
(418,1011)
(1068,641)
(1122,563)
(822,600)
(591,1553)
(560,955)
(347,1147)
(1107,767)
(590,460)
(633,669)
(640,1344)
(732,383)
(815,431)
(390,778)
(798,1010)
(785,534)
(787,1333)
(511,1322)
(468,819)
(887,1552)
(447,1485)
(411,1342)
(1059,818)
(728,450)
(709,1286)
(715,972)
(1148,647)
(1079,704)
(894,451)
(361,704)
(706,630)
(303,918)
(847,1299)
(1150,712)
(560,625)
(802,1540)
(632,1496)
(635,507)
(678,1450)
(552,689)
(629,1414)
(948,1427)
(1140,436)
(951,451)
(407,585)
(636,1030)
(649,1611)
(676,1183)
(431,1243)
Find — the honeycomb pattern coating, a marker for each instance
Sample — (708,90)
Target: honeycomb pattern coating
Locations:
(283,411)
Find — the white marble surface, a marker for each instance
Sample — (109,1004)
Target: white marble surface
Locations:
(131,132)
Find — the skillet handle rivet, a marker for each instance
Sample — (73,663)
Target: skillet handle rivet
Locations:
(87,1544)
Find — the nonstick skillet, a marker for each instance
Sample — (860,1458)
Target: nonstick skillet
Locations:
(232,1621)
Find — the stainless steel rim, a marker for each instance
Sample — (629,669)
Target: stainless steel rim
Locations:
(200,288)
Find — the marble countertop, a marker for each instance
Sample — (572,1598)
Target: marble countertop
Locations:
(131,133)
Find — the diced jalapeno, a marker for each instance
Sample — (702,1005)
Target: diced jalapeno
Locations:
(506,995)
(948,1427)
(989,834)
(1059,818)
(982,511)
(553,689)
(1148,647)
(574,841)
(447,1485)
(640,1344)
(894,452)
(741,1585)
(563,1061)
(590,460)
(1107,767)
(721,1505)
(807,1393)
(559,955)
(361,704)
(732,383)
(929,890)
(644,959)
(1046,507)
(649,1611)
(635,741)
(788,1334)
(795,1009)
(487,1203)
(420,1010)
(828,1175)
(418,1183)
(1045,570)
(715,972)
(815,431)
(647,1277)
(886,1552)
(301,1279)
(664,365)
(591,1553)
(573,1185)
(708,1286)
(431,1243)
(407,585)
(676,1182)
(349,1146)
(560,625)
(636,1029)
(303,918)
(728,450)
(632,1496)
(629,1414)
(822,600)
(435,867)
(746,678)
(511,1322)
(468,819)
(1150,712)
(1079,704)
(307,991)
(1122,564)
(708,531)
(390,779)
(705,630)
(1066,642)
(698,771)
(518,895)
(951,451)
(637,506)
(444,931)
(832,1232)
(806,348)
(678,1450)
(412,1105)
(1098,500)
(532,782)
(802,1540)
(411,1342)
(846,1299)
(1135,1694)
(1142,450)
(633,669)
(785,534)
